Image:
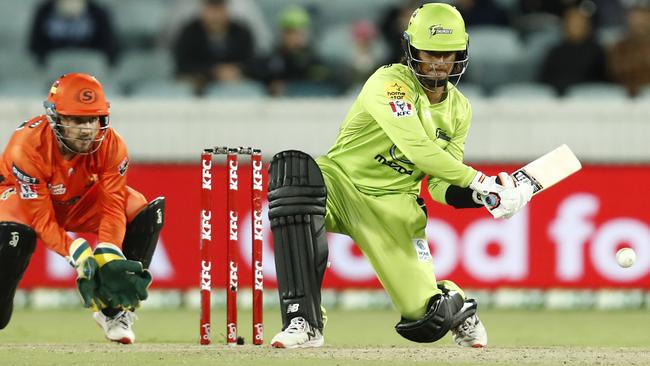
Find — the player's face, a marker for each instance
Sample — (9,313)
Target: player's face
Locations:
(79,132)
(436,64)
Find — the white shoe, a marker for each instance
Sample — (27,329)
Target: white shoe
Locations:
(470,333)
(299,334)
(117,328)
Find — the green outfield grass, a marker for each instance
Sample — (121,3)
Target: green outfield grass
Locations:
(170,337)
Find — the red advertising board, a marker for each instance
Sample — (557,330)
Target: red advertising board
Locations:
(566,237)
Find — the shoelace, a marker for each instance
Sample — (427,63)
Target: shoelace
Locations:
(297,325)
(124,319)
(468,326)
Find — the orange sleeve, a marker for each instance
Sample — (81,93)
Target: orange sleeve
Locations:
(113,193)
(29,171)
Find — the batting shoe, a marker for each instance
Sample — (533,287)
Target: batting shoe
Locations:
(299,334)
(470,333)
(117,328)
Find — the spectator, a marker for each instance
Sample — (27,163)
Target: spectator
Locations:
(629,59)
(64,24)
(213,47)
(554,7)
(365,55)
(578,58)
(293,59)
(481,12)
(392,27)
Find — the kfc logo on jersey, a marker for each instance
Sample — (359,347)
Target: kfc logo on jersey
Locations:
(401,108)
(27,192)
(124,165)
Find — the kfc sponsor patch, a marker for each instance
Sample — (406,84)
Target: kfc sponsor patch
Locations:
(28,191)
(124,166)
(401,108)
(22,176)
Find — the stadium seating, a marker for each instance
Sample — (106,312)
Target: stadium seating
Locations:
(242,89)
(597,91)
(139,65)
(162,89)
(525,91)
(495,56)
(64,61)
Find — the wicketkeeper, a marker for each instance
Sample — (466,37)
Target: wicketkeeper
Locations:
(408,123)
(65,171)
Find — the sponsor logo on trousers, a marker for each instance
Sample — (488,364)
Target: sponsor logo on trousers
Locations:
(206,228)
(232,175)
(259,276)
(206,279)
(257,175)
(206,176)
(233,225)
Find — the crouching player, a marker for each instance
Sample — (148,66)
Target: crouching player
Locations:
(408,122)
(66,171)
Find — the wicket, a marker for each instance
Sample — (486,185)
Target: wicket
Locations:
(232,241)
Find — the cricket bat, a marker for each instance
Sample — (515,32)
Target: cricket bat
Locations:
(549,169)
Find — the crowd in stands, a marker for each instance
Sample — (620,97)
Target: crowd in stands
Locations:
(292,48)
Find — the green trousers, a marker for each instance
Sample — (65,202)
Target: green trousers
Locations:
(390,231)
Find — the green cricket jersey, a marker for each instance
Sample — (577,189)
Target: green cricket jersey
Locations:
(393,137)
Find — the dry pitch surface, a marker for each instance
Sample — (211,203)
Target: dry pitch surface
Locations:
(175,354)
(353,338)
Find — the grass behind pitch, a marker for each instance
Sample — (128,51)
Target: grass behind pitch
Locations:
(170,337)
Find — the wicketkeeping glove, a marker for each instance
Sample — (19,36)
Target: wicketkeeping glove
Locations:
(81,258)
(122,283)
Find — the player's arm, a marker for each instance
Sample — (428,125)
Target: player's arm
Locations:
(112,192)
(444,192)
(123,282)
(31,187)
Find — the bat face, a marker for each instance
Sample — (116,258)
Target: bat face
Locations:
(549,169)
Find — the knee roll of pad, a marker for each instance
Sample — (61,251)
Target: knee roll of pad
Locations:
(296,186)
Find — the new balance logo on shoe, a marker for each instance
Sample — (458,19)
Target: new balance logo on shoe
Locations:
(293,308)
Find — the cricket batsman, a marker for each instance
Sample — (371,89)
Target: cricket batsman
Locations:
(65,171)
(408,123)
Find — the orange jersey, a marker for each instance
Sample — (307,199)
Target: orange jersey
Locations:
(56,195)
